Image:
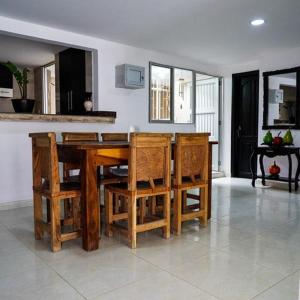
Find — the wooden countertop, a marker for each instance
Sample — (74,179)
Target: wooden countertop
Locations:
(106,117)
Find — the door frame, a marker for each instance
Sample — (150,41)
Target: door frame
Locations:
(235,81)
(220,114)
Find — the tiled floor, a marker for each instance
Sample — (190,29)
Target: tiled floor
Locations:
(250,250)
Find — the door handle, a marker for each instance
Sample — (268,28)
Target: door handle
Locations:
(68,99)
(239,129)
(71,100)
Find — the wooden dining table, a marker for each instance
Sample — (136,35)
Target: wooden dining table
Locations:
(92,155)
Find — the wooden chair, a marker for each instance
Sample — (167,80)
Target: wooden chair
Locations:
(46,183)
(190,172)
(149,175)
(76,137)
(69,167)
(114,174)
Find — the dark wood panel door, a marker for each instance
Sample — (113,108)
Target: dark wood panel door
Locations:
(72,81)
(245,88)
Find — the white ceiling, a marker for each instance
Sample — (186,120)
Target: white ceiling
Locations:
(24,52)
(215,31)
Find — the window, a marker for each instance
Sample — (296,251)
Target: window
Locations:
(171,94)
(49,89)
(160,93)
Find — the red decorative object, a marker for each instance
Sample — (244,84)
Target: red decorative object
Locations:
(274,169)
(277,140)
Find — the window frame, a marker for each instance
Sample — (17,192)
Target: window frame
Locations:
(171,93)
(172,98)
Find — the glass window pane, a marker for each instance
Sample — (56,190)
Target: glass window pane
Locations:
(183,96)
(160,100)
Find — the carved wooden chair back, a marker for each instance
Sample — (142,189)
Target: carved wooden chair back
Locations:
(114,137)
(149,160)
(80,136)
(191,157)
(76,137)
(44,149)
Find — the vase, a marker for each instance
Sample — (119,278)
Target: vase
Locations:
(88,105)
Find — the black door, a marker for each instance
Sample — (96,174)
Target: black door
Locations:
(245,87)
(72,81)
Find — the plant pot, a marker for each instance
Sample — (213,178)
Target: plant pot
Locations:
(23,105)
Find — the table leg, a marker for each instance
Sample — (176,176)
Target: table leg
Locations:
(297,172)
(90,202)
(290,173)
(252,166)
(261,164)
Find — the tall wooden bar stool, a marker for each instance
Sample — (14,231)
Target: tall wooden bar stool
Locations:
(149,175)
(46,183)
(191,156)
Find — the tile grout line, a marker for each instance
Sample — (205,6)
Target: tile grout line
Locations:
(173,275)
(45,263)
(270,287)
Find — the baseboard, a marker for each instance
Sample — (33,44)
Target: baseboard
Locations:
(15,204)
(216,174)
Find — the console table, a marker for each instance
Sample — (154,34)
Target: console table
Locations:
(272,152)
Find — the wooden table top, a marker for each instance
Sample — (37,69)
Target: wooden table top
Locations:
(94,145)
(101,145)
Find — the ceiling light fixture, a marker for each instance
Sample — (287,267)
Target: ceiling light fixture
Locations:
(257,22)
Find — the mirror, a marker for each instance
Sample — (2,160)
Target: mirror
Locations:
(281,100)
(59,77)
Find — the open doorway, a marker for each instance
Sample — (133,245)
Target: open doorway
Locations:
(49,89)
(207,111)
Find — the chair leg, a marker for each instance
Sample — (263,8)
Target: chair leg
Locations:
(55,225)
(123,204)
(142,210)
(116,204)
(67,209)
(184,201)
(153,205)
(76,214)
(108,212)
(48,210)
(177,211)
(203,204)
(132,221)
(167,215)
(38,216)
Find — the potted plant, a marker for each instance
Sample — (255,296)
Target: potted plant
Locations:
(23,105)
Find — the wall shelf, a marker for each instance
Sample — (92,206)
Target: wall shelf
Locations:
(98,117)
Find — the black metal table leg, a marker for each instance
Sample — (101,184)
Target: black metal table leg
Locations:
(297,172)
(290,173)
(261,164)
(252,165)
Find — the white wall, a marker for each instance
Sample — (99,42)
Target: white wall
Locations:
(131,105)
(287,58)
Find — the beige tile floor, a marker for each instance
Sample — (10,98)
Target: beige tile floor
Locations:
(250,250)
